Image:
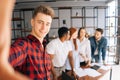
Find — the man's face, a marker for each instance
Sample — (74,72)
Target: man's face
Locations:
(41,25)
(98,35)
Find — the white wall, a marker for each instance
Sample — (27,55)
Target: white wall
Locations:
(66,14)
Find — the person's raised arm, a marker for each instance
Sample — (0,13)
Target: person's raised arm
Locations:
(6,71)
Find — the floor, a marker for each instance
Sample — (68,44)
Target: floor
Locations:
(115,68)
(115,72)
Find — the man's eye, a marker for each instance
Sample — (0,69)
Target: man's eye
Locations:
(39,22)
(48,24)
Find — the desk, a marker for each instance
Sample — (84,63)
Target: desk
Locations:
(115,72)
(105,75)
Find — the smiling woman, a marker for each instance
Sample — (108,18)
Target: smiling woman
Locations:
(6,71)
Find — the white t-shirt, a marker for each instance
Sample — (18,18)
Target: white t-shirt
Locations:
(60,51)
(76,57)
(84,49)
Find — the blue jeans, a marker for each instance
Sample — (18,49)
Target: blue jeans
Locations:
(97,58)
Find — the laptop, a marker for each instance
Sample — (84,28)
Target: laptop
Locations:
(96,67)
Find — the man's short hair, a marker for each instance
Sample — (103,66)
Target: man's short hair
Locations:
(43,9)
(99,30)
(62,31)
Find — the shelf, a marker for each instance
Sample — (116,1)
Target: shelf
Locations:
(65,8)
(89,26)
(27,9)
(109,26)
(17,19)
(90,17)
(52,37)
(77,17)
(112,17)
(16,29)
(26,30)
(101,7)
(56,18)
(14,38)
(83,17)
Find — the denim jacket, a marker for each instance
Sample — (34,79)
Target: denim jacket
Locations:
(102,45)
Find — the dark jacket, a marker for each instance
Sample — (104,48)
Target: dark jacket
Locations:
(102,45)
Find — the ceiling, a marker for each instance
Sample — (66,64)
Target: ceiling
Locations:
(58,0)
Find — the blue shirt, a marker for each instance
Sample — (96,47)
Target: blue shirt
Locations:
(101,45)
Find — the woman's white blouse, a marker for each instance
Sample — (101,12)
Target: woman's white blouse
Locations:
(84,49)
(76,57)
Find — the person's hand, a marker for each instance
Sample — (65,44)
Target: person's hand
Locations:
(88,65)
(74,74)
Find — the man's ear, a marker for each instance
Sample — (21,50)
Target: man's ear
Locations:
(32,22)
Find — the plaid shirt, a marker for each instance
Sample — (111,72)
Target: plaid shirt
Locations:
(28,57)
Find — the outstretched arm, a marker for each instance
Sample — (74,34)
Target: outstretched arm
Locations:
(6,71)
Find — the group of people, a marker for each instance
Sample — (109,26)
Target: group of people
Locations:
(72,49)
(29,57)
(67,51)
